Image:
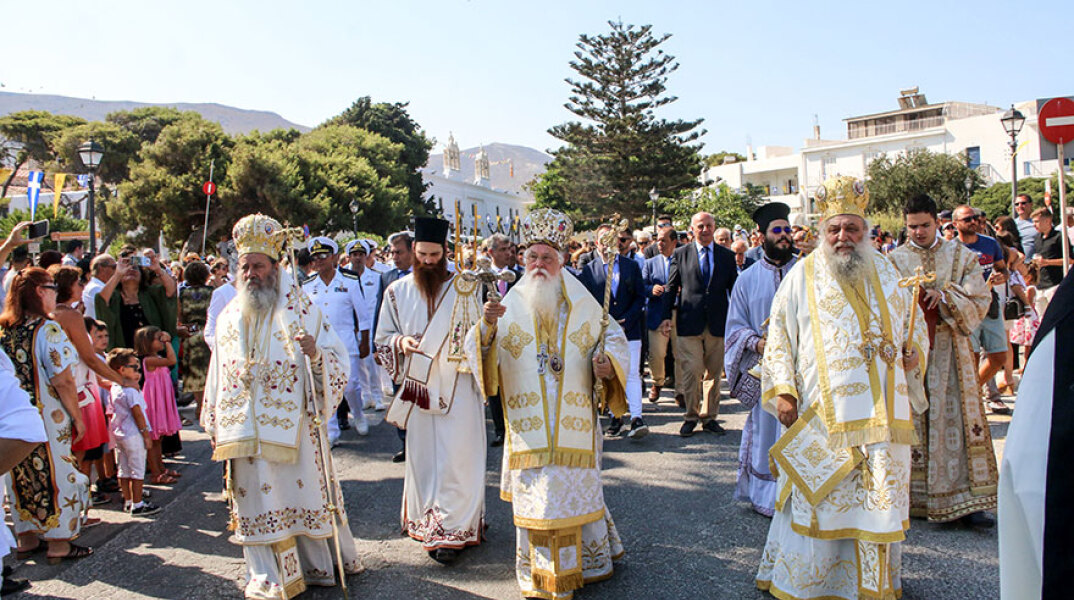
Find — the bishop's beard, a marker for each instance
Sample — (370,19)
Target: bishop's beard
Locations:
(259,300)
(542,295)
(430,278)
(848,267)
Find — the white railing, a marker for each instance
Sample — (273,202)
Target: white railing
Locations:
(863,130)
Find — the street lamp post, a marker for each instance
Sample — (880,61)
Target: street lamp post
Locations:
(1012,123)
(969,186)
(354,215)
(91,154)
(654,196)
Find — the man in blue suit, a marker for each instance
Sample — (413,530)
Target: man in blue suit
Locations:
(402,245)
(655,275)
(627,304)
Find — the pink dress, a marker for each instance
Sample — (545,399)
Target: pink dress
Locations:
(159,396)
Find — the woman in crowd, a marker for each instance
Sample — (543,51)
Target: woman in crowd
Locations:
(193,311)
(218,273)
(129,302)
(50,494)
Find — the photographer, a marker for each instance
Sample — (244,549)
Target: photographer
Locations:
(138,302)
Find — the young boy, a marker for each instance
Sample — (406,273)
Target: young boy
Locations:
(106,478)
(130,433)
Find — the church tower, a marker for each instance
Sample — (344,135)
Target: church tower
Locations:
(451,158)
(481,169)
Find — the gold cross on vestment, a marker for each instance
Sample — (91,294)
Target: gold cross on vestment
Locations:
(915,282)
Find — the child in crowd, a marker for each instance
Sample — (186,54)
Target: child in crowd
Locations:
(130,433)
(149,343)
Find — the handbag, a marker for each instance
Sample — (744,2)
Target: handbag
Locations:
(993,307)
(1013,308)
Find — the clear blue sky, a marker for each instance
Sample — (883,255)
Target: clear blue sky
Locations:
(493,70)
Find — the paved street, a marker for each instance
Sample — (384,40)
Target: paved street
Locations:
(671,499)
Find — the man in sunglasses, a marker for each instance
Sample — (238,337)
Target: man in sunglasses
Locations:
(747,327)
(1023,218)
(627,303)
(991,336)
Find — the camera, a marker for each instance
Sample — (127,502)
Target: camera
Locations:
(140,261)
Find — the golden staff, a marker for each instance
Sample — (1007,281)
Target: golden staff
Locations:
(915,281)
(474,208)
(458,235)
(610,253)
(291,237)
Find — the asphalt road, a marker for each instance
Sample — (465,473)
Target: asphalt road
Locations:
(671,499)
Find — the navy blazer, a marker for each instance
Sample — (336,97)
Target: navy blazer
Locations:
(700,306)
(628,301)
(655,273)
(387,278)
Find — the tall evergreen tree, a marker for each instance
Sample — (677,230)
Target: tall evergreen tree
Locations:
(621,149)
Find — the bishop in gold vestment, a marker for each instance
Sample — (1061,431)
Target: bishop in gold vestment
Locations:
(841,373)
(541,351)
(954,471)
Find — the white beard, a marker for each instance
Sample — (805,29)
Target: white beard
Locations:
(848,267)
(541,294)
(257,302)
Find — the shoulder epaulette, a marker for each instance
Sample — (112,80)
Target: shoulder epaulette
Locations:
(349,274)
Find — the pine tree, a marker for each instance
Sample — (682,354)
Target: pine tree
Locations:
(621,149)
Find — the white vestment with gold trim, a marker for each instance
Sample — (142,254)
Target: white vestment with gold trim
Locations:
(843,469)
(444,486)
(552,454)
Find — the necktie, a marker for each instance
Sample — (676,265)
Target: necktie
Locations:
(706,270)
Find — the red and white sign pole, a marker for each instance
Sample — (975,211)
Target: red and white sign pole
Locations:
(1056,123)
(208,188)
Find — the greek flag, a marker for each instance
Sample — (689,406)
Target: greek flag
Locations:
(33,190)
(83,180)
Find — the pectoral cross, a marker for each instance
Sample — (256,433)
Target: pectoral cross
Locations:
(484,274)
(542,360)
(915,281)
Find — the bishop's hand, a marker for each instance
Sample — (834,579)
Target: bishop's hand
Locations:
(408,344)
(308,344)
(602,367)
(493,311)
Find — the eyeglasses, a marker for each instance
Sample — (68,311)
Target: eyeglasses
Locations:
(967,219)
(777,230)
(135,367)
(49,286)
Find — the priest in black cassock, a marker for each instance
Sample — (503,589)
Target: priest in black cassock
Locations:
(1036,492)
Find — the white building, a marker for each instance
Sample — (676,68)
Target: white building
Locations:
(496,209)
(974,130)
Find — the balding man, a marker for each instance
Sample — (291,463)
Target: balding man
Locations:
(702,274)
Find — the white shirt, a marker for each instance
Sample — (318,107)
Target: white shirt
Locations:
(343,302)
(220,299)
(19,420)
(370,288)
(89,295)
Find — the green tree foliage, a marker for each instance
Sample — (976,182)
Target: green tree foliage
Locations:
(996,199)
(943,176)
(60,222)
(121,147)
(33,131)
(715,160)
(620,149)
(392,121)
(728,207)
(146,122)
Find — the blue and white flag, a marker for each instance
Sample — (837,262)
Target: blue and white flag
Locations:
(83,180)
(33,190)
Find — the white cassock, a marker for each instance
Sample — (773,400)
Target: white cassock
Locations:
(747,316)
(19,420)
(444,485)
(843,481)
(1036,493)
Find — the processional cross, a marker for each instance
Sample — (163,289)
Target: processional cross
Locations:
(484,274)
(915,281)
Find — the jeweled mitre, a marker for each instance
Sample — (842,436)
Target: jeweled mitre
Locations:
(547,226)
(842,195)
(259,234)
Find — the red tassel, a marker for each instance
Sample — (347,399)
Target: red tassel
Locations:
(416,393)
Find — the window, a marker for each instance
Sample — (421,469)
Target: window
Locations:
(973,157)
(828,167)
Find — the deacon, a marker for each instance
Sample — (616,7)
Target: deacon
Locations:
(954,472)
(423,322)
(1035,487)
(840,372)
(747,323)
(339,294)
(265,418)
(545,351)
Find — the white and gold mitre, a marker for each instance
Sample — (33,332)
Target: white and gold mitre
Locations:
(259,234)
(547,226)
(842,195)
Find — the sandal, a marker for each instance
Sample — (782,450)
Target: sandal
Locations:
(90,522)
(164,479)
(75,552)
(998,407)
(25,554)
(173,473)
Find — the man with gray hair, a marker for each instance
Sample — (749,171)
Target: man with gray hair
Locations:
(101,269)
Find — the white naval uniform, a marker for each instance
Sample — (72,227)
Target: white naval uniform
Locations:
(343,302)
(369,376)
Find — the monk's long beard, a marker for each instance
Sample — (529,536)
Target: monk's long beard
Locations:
(848,267)
(430,278)
(258,301)
(542,295)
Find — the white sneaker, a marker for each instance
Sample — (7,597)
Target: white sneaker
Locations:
(379,407)
(362,427)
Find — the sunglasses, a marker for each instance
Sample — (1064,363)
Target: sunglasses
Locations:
(663,225)
(135,367)
(1022,203)
(777,230)
(49,286)
(625,240)
(967,219)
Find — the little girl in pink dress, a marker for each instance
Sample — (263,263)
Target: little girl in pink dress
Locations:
(162,413)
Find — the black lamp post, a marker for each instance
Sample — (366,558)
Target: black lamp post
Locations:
(654,196)
(1012,123)
(354,215)
(969,186)
(91,154)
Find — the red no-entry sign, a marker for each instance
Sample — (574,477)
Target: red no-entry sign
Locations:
(1056,120)
(209,188)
